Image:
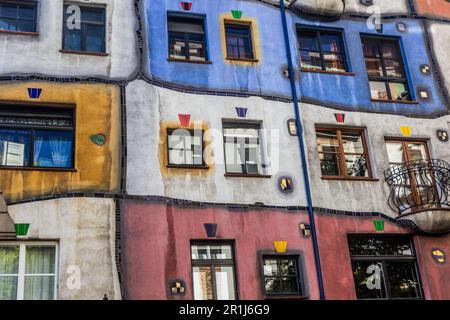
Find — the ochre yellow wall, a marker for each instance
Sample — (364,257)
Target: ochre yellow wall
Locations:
(97,167)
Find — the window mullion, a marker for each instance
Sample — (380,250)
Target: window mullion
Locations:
(387,287)
(21,277)
(322,60)
(342,154)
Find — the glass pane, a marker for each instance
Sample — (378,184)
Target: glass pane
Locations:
(72,39)
(308,40)
(399,91)
(39,288)
(281,285)
(225,283)
(177,157)
(196,51)
(329,164)
(417,151)
(370,47)
(40,260)
(327,141)
(395,152)
(14,148)
(27,12)
(270,267)
(356,165)
(212,251)
(92,15)
(378,90)
(393,68)
(9,11)
(310,60)
(95,38)
(9,260)
(374,67)
(380,246)
(8,287)
(352,142)
(369,280)
(53,149)
(202,278)
(390,49)
(234,157)
(334,62)
(331,43)
(177,48)
(403,280)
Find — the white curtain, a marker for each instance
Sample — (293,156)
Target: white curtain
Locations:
(60,148)
(39,273)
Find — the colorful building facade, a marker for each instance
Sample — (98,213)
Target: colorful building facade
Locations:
(225,150)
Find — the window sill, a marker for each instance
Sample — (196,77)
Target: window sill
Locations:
(340,73)
(281,297)
(20,33)
(243,60)
(189,61)
(86,53)
(350,178)
(395,101)
(174,166)
(38,169)
(243,175)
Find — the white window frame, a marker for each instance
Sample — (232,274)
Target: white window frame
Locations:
(21,271)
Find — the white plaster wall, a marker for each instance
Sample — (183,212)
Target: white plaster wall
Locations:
(85,231)
(147,105)
(361,195)
(42,54)
(441,42)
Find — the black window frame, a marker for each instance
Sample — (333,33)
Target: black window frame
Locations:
(169,132)
(82,49)
(385,78)
(18,4)
(386,259)
(42,111)
(248,124)
(213,263)
(295,256)
(192,18)
(319,32)
(248,37)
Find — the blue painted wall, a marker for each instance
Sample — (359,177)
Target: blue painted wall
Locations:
(349,92)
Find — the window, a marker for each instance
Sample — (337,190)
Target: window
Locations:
(343,153)
(242,148)
(187,40)
(238,39)
(213,271)
(385,68)
(90,37)
(321,50)
(28,271)
(281,275)
(384,267)
(185,147)
(32,136)
(20,17)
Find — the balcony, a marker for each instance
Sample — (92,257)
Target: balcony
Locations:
(420,194)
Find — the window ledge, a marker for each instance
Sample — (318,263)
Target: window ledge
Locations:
(38,169)
(350,178)
(189,61)
(175,166)
(20,33)
(340,73)
(395,101)
(243,175)
(243,60)
(87,53)
(281,297)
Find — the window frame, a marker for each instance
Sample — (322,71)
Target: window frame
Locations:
(45,111)
(319,31)
(386,80)
(213,263)
(22,264)
(83,50)
(194,17)
(250,38)
(292,255)
(341,153)
(169,132)
(387,258)
(244,124)
(30,4)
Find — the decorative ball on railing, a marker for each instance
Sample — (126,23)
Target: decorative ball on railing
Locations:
(319,9)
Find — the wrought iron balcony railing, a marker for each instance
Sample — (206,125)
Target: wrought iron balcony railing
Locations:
(418,186)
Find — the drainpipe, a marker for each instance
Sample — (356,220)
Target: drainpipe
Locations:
(302,152)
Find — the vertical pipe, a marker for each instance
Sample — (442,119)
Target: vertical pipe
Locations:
(302,152)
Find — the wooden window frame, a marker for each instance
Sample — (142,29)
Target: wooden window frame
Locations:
(192,132)
(248,26)
(341,163)
(29,4)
